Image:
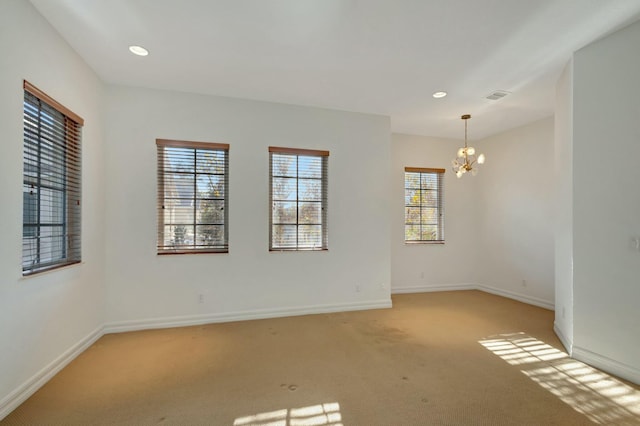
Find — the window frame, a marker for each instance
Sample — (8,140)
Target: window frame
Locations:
(324,182)
(197,148)
(422,204)
(52,171)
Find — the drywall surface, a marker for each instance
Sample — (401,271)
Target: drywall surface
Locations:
(45,316)
(606,200)
(147,290)
(515,213)
(428,267)
(563,202)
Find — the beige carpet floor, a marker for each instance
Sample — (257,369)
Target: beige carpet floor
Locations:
(451,358)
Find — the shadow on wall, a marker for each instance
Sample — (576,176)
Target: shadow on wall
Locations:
(600,397)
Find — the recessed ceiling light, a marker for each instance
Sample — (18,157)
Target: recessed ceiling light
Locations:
(439,95)
(138,50)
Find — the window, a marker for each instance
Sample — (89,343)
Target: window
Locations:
(51,189)
(193,187)
(298,199)
(423,205)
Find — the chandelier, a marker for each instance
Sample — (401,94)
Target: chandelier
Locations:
(466,158)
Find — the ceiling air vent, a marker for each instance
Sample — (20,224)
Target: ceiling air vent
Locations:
(498,94)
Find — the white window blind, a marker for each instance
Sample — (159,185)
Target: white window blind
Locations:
(193,187)
(298,199)
(423,205)
(51,190)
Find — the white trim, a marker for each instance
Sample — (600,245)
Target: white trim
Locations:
(531,300)
(606,364)
(432,288)
(28,388)
(568,344)
(187,320)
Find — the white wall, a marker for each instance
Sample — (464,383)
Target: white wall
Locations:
(563,215)
(44,316)
(606,203)
(145,289)
(428,267)
(515,215)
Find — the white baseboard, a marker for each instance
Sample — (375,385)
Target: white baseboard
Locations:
(568,344)
(524,298)
(28,388)
(187,320)
(531,300)
(431,288)
(606,364)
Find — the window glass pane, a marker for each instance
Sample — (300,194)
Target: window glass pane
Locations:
(178,215)
(179,186)
(412,232)
(310,212)
(52,244)
(310,236)
(412,180)
(430,198)
(429,216)
(310,189)
(208,161)
(284,189)
(284,212)
(210,212)
(178,159)
(412,197)
(210,186)
(429,181)
(412,215)
(210,235)
(429,232)
(284,165)
(284,236)
(178,235)
(51,206)
(310,167)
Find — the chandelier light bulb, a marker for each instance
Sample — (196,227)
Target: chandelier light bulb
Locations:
(466,155)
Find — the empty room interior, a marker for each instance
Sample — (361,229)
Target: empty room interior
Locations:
(310,212)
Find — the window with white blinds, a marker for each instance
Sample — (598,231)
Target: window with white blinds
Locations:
(298,199)
(193,188)
(423,205)
(51,189)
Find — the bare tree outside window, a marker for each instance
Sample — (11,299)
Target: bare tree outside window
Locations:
(424,205)
(192,197)
(298,199)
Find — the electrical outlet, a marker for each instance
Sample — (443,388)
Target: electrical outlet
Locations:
(358,288)
(422,275)
(201,298)
(524,283)
(383,286)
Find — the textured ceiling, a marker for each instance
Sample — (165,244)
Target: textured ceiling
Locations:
(373,56)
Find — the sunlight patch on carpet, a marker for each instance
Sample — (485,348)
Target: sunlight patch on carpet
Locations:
(601,397)
(314,415)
